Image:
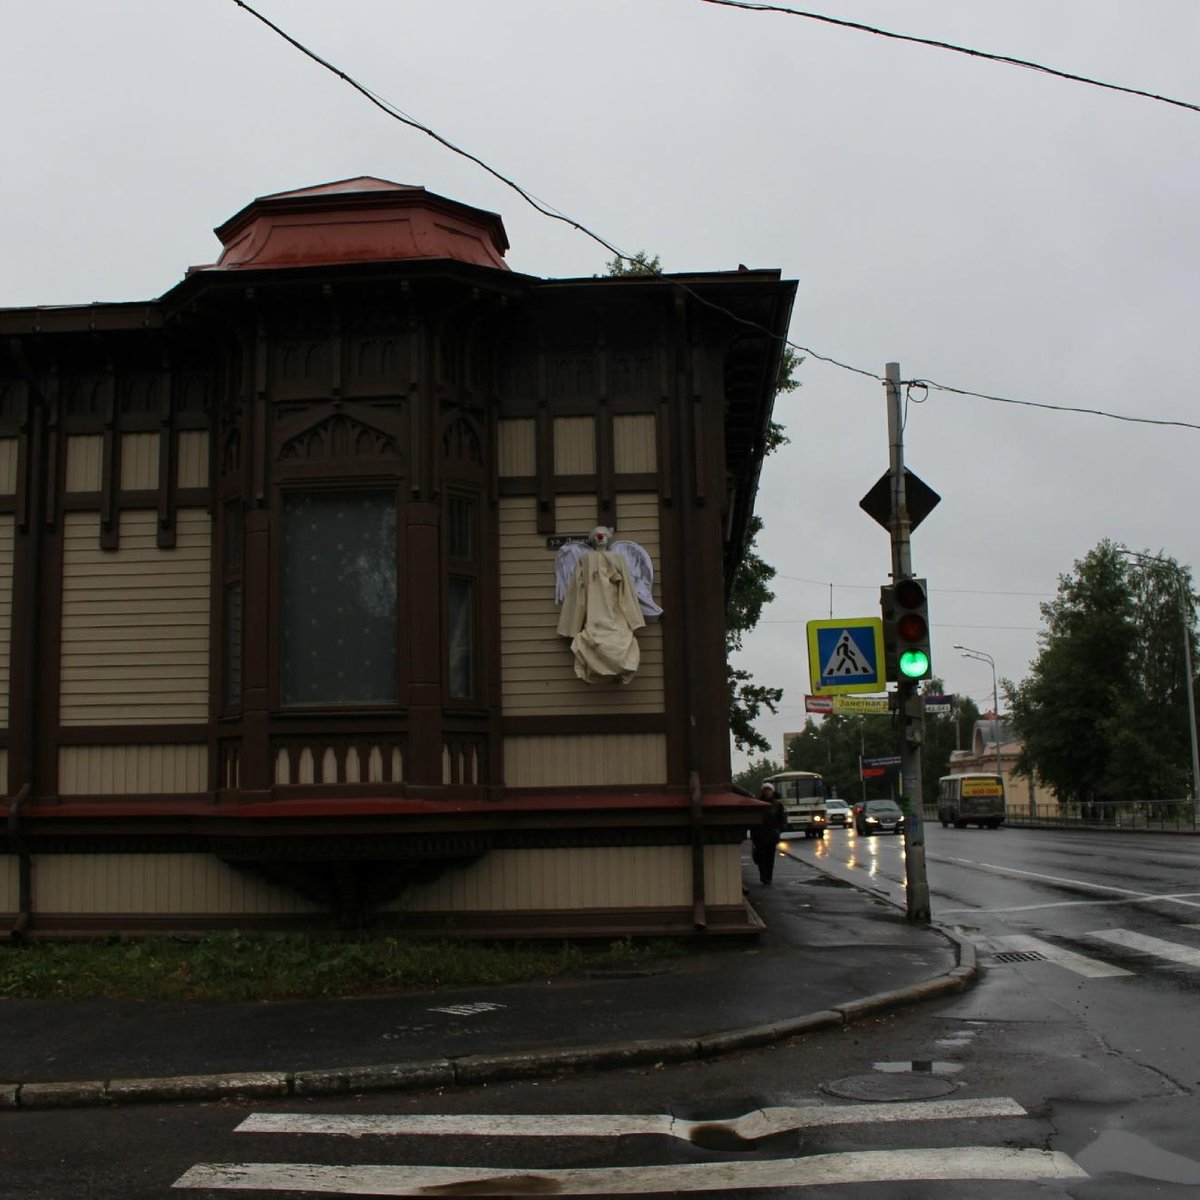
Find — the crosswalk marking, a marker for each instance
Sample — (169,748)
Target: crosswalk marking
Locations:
(866,1166)
(1092,968)
(1159,947)
(750,1126)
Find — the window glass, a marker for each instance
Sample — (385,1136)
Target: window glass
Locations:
(338,592)
(462,527)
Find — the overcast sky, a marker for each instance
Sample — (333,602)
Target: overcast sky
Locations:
(984,226)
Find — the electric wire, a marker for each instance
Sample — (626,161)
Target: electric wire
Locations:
(548,210)
(1005,59)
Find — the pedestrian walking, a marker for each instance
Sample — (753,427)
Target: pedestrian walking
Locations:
(764,837)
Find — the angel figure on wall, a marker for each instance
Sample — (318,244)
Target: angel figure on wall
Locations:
(605,588)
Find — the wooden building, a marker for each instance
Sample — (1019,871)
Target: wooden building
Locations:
(278,626)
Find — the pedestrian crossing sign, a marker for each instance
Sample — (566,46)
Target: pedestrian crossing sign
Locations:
(846,655)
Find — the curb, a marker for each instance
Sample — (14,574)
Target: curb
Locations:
(481,1068)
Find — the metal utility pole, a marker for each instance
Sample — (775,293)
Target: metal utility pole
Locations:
(911,717)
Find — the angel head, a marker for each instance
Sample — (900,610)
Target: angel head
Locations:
(600,538)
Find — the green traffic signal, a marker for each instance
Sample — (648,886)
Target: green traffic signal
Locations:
(914,664)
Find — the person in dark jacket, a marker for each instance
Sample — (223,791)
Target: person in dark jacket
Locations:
(764,837)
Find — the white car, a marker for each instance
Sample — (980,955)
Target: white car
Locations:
(837,812)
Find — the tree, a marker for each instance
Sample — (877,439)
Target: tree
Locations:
(635,264)
(1103,712)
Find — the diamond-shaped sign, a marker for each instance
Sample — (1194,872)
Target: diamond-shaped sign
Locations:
(920,498)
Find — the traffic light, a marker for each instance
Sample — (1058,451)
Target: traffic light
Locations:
(906,631)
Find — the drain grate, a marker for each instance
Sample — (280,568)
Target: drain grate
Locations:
(1008,956)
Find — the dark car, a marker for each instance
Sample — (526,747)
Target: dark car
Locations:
(878,816)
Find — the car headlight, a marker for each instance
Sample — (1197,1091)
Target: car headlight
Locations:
(872,820)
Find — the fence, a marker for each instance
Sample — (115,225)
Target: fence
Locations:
(1163,815)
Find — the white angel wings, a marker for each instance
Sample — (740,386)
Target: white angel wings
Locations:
(640,568)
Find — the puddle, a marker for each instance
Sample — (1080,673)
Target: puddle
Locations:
(1129,1154)
(918,1066)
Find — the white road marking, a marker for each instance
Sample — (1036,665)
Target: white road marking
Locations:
(1130,895)
(869,1166)
(1160,948)
(752,1125)
(1093,968)
(468,1010)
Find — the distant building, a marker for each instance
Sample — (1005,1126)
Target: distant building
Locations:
(279,640)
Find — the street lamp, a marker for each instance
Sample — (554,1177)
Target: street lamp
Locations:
(1185,615)
(967,652)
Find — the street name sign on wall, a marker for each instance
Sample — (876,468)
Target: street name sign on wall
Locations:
(846,655)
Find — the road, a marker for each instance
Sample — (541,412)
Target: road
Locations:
(1070,1070)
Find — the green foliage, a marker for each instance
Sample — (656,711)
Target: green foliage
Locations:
(1103,712)
(750,780)
(288,966)
(635,264)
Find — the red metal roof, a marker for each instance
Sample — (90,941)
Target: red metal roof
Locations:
(358,220)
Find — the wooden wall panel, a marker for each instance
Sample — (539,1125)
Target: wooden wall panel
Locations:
(635,444)
(193,458)
(537,670)
(150,884)
(585,760)
(85,454)
(8,466)
(574,446)
(6,587)
(139,461)
(10,892)
(581,878)
(518,447)
(140,770)
(135,623)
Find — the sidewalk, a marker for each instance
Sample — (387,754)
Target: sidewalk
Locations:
(832,954)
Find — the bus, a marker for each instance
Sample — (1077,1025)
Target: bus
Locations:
(803,795)
(971,799)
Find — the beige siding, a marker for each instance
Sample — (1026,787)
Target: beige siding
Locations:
(84,456)
(8,466)
(193,458)
(115,770)
(139,461)
(574,445)
(6,581)
(582,760)
(537,670)
(151,884)
(518,448)
(135,622)
(582,878)
(635,444)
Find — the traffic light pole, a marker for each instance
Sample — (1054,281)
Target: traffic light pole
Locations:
(910,715)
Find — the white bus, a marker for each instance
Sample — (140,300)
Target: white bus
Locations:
(803,795)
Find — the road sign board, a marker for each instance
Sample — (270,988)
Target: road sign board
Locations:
(846,655)
(920,500)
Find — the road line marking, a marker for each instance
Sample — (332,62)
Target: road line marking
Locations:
(867,1166)
(1188,899)
(1093,968)
(1173,951)
(1014,908)
(751,1125)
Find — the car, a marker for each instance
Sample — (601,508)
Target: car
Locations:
(837,812)
(878,816)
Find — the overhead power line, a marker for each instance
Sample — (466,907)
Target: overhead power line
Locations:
(1006,59)
(548,211)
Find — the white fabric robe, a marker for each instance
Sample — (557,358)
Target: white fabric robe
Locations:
(600,613)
